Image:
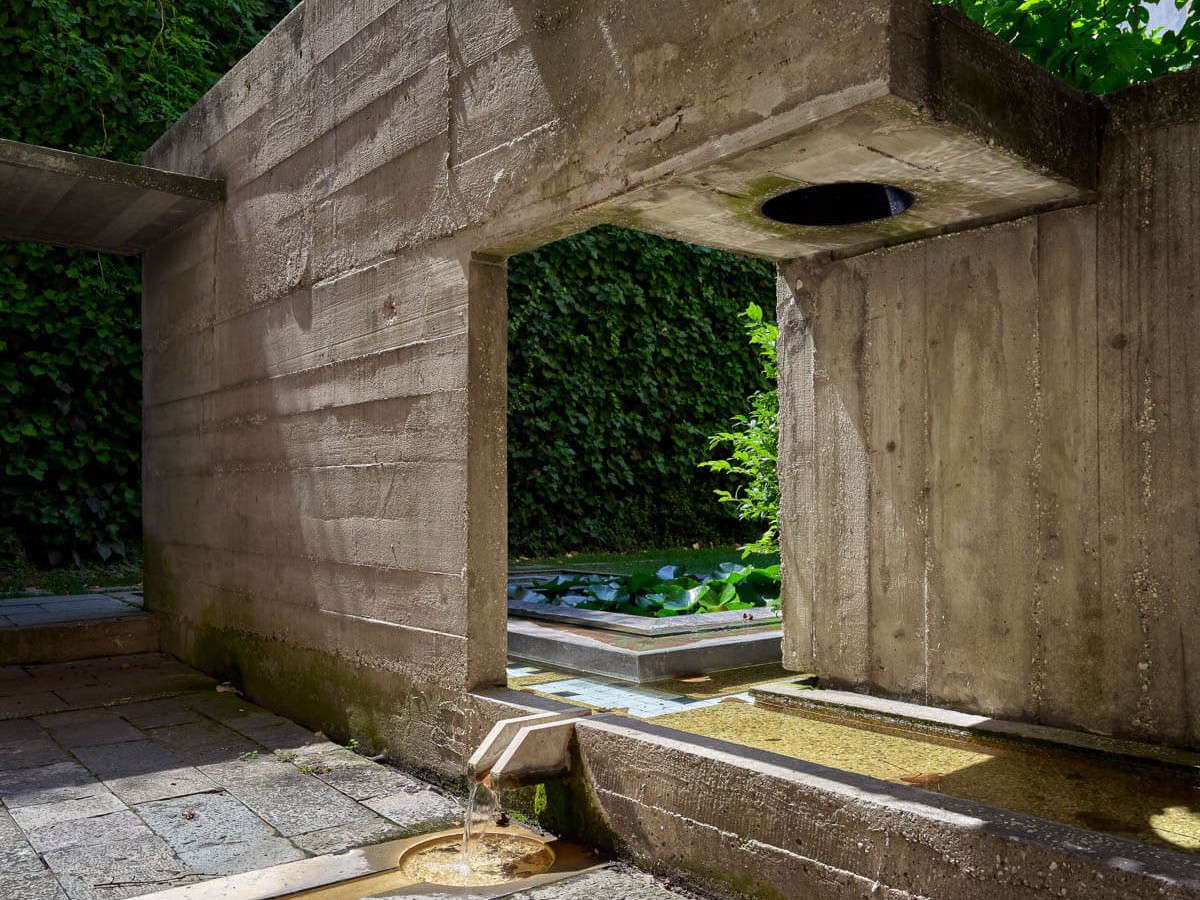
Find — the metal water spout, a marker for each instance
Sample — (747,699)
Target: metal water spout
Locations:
(525,750)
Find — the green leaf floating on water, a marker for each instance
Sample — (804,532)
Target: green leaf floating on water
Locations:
(668,592)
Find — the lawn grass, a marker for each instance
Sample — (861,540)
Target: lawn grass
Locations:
(695,560)
(17,580)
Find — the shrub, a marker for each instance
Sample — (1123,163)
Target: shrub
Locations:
(754,443)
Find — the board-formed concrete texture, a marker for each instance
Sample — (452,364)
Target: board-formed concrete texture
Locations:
(325,387)
(990,452)
(325,355)
(69,200)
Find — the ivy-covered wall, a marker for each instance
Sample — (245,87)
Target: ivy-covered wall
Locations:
(625,353)
(103,77)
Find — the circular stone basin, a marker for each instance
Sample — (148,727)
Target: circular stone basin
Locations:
(493,859)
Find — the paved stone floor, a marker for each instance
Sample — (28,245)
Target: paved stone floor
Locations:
(124,775)
(130,775)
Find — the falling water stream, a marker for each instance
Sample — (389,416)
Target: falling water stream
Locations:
(480,857)
(469,820)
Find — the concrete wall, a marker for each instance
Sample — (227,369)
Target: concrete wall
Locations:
(989,458)
(324,355)
(324,401)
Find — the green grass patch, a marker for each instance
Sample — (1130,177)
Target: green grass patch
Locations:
(19,579)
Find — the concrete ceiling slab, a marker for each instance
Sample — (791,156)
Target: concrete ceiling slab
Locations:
(70,200)
(976,134)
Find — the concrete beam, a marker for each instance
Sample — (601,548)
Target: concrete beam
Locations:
(70,200)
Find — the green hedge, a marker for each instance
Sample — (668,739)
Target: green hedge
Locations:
(625,354)
(1094,45)
(103,77)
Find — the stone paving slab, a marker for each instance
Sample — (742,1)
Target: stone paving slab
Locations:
(43,815)
(360,834)
(87,728)
(47,784)
(205,742)
(291,801)
(17,856)
(36,751)
(138,771)
(124,869)
(122,826)
(217,834)
(40,885)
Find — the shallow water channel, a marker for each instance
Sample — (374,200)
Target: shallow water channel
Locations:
(1145,802)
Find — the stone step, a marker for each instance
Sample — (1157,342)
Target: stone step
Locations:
(52,629)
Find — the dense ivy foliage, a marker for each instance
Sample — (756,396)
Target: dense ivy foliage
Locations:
(625,354)
(1094,45)
(104,77)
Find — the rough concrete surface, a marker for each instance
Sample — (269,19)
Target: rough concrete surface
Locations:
(325,379)
(772,826)
(324,355)
(989,453)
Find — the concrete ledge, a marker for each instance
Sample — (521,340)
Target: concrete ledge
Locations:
(875,710)
(639,659)
(643,625)
(70,200)
(772,826)
(136,632)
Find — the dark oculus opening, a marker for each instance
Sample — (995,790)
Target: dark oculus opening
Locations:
(843,203)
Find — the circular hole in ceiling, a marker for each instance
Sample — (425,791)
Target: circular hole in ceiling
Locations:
(841,203)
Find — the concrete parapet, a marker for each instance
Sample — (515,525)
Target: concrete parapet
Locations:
(762,825)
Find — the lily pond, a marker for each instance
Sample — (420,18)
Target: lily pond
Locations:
(668,592)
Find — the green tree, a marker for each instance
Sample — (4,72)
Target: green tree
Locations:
(1095,45)
(103,77)
(754,444)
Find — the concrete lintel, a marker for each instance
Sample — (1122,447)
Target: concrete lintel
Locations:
(67,199)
